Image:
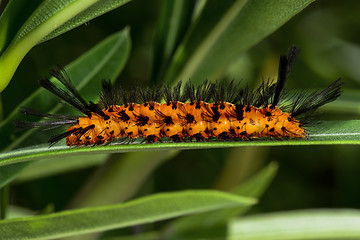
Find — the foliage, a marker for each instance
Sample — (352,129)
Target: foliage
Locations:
(113,192)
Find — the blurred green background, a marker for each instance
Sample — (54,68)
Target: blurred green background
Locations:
(309,176)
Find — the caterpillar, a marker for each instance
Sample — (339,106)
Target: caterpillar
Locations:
(179,113)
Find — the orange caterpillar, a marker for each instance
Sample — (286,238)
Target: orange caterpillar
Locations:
(233,113)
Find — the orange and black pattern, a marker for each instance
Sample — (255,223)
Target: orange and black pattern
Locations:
(186,113)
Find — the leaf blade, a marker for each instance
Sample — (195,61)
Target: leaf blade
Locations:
(254,187)
(148,209)
(174,21)
(330,133)
(95,10)
(305,224)
(49,16)
(206,53)
(14,15)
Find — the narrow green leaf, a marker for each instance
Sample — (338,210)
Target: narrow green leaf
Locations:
(17,212)
(148,209)
(12,18)
(240,165)
(45,168)
(9,173)
(234,27)
(306,224)
(326,133)
(126,173)
(45,20)
(95,10)
(254,187)
(174,20)
(85,71)
(142,236)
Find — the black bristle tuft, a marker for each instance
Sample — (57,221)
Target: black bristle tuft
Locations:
(204,92)
(307,103)
(150,94)
(129,96)
(222,93)
(71,96)
(264,93)
(232,91)
(219,93)
(47,84)
(33,112)
(174,94)
(109,95)
(246,97)
(189,91)
(58,120)
(285,65)
(60,74)
(21,124)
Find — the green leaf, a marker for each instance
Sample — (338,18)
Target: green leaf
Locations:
(305,224)
(240,165)
(330,132)
(95,10)
(126,173)
(17,212)
(85,71)
(254,187)
(51,18)
(145,210)
(49,167)
(234,27)
(13,17)
(174,21)
(142,236)
(9,173)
